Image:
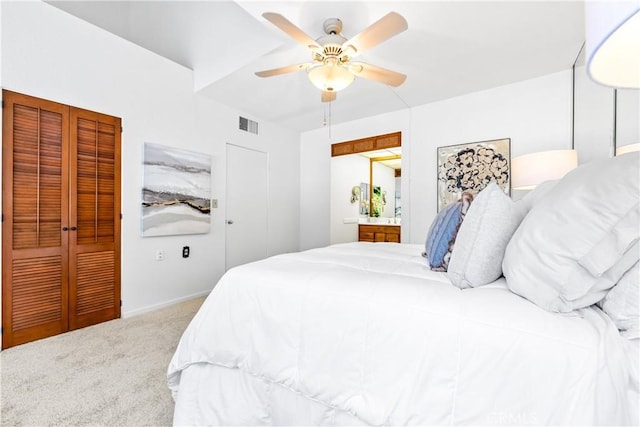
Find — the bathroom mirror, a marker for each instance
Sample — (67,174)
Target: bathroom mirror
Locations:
(384,189)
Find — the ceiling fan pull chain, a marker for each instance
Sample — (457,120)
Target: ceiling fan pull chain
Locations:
(324,115)
(330,119)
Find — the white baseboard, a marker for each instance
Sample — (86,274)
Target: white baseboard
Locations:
(154,307)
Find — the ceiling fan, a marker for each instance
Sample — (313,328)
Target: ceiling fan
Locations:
(332,68)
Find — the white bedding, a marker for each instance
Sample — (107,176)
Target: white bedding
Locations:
(365,333)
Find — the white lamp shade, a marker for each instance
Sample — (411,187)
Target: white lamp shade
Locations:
(532,169)
(627,149)
(613,42)
(330,78)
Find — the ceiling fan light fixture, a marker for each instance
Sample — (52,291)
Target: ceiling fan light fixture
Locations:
(332,69)
(330,77)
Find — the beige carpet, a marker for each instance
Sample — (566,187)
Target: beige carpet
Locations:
(112,374)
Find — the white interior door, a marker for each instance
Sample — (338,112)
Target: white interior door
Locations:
(246,213)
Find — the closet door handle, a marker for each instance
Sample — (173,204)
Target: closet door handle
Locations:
(73,228)
(65,228)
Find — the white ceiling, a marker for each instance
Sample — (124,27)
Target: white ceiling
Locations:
(451,48)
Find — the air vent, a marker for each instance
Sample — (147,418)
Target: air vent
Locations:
(248,125)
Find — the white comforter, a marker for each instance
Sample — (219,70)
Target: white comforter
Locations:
(366,330)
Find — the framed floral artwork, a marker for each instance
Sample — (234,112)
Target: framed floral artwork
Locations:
(471,167)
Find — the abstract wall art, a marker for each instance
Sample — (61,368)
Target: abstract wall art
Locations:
(176,193)
(471,167)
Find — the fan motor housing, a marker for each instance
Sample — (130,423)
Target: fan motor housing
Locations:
(332,26)
(331,45)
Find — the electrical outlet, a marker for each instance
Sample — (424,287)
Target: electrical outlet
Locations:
(185,252)
(159,255)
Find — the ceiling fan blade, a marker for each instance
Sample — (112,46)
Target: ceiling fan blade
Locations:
(379,74)
(291,29)
(381,30)
(327,96)
(282,70)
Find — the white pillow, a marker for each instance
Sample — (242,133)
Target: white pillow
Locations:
(622,303)
(476,259)
(534,196)
(576,241)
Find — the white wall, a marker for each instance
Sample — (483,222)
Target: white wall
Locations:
(346,172)
(535,114)
(49,54)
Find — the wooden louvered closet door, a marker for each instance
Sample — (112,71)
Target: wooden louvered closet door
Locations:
(94,248)
(34,199)
(61,218)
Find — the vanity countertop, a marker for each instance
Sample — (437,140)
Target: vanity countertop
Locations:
(381,221)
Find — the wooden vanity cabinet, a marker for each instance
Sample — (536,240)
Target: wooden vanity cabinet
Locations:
(378,233)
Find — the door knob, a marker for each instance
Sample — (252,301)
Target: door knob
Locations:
(230,222)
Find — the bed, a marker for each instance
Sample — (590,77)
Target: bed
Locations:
(368,334)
